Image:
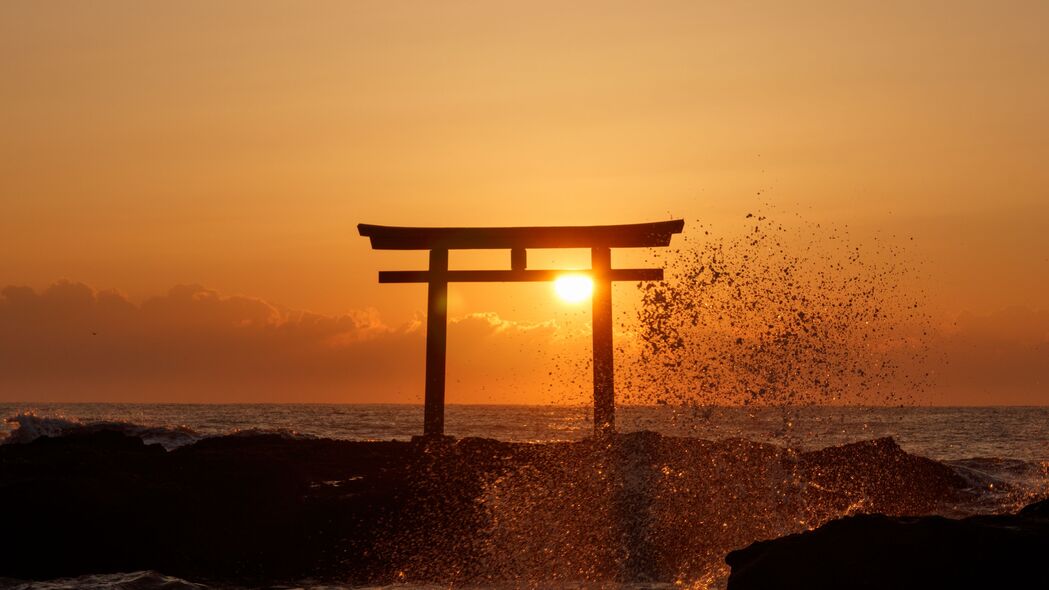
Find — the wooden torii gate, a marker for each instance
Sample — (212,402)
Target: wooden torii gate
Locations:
(439,240)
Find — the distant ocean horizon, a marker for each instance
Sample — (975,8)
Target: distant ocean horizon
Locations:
(937,432)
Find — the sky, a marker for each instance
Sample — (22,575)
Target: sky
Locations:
(180,183)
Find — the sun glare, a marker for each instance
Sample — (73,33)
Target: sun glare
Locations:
(574,288)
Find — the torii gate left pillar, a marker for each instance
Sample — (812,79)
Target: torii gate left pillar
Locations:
(599,239)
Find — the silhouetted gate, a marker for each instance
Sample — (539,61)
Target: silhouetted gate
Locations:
(599,238)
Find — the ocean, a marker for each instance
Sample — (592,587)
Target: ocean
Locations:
(941,433)
(1007,445)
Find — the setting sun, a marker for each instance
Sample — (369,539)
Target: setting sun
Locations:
(574,288)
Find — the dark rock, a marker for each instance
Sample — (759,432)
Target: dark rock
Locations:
(878,476)
(264,509)
(877,551)
(1036,511)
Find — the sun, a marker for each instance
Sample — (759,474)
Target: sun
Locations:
(574,288)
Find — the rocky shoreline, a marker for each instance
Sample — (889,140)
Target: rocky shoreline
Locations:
(876,551)
(265,509)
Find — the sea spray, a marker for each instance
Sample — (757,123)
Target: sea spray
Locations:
(646,507)
(781,314)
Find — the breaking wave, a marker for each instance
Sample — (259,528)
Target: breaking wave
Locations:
(28,427)
(143,580)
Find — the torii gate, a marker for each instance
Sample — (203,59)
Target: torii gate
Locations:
(439,240)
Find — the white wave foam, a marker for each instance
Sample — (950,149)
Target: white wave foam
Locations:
(144,580)
(30,426)
(150,580)
(1001,484)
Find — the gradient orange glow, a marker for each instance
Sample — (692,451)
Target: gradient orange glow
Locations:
(237,145)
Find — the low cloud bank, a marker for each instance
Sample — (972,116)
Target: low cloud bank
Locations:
(70,342)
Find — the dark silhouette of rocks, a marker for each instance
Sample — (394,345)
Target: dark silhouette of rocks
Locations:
(927,552)
(264,509)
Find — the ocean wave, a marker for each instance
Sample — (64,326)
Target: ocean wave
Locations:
(1001,484)
(30,426)
(143,580)
(150,580)
(26,427)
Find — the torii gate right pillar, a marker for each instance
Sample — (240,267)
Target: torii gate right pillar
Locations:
(604,372)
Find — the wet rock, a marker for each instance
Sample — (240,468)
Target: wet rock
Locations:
(877,551)
(264,509)
(878,476)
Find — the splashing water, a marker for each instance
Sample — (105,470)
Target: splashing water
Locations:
(781,315)
(645,507)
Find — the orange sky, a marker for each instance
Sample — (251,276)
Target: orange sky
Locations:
(237,145)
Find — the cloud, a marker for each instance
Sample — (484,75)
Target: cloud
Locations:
(71,342)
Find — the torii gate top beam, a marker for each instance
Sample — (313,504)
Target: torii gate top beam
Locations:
(633,235)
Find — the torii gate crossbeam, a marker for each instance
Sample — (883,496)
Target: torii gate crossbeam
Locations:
(600,239)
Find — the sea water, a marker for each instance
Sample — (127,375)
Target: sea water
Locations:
(941,433)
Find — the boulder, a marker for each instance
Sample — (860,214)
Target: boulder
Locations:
(874,551)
